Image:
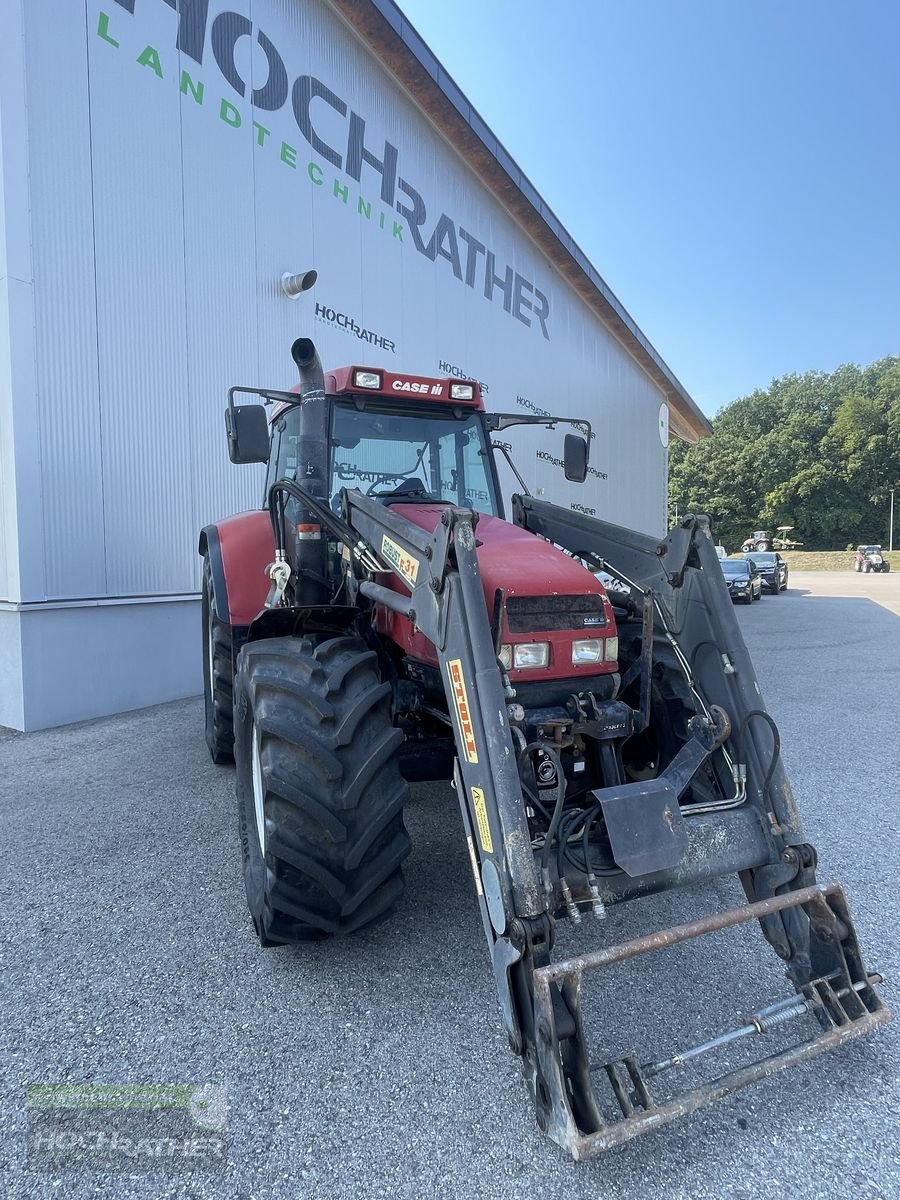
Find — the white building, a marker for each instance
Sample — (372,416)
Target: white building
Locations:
(162,166)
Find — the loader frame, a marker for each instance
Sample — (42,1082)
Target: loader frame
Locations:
(757,836)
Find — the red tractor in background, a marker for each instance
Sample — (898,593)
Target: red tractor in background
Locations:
(379,621)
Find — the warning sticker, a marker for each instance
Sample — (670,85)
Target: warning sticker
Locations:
(484,829)
(461,700)
(406,564)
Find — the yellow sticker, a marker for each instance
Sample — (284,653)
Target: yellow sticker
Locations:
(484,829)
(406,564)
(461,700)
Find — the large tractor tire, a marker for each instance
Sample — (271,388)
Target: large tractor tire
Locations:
(320,794)
(218,676)
(763,546)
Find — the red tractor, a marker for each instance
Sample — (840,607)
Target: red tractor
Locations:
(379,621)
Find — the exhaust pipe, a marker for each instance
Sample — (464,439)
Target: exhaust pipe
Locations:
(312,474)
(305,355)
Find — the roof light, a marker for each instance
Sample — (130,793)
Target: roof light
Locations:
(367,379)
(462,391)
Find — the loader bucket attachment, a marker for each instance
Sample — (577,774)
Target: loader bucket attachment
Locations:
(839,994)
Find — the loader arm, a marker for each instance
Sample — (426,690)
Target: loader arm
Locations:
(808,925)
(447,605)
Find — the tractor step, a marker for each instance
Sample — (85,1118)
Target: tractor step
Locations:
(844,1003)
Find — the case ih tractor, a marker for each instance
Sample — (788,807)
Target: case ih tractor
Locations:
(379,621)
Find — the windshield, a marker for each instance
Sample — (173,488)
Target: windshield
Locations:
(735,566)
(871,549)
(764,559)
(414,454)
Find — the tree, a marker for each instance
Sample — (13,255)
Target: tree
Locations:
(817,451)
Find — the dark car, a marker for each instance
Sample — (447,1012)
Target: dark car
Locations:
(742,579)
(773,571)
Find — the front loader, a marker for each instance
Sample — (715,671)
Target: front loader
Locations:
(380,622)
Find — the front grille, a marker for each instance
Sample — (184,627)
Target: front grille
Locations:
(526,614)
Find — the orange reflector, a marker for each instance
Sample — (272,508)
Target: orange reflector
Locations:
(308,533)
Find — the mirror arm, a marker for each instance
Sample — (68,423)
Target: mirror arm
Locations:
(504,450)
(497,422)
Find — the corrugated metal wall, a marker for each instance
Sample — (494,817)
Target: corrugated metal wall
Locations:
(163,218)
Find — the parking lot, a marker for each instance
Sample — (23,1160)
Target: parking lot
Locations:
(377,1066)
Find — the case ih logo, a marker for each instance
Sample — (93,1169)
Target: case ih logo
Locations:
(471,260)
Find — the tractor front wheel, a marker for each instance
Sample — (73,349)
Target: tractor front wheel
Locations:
(320,794)
(218,676)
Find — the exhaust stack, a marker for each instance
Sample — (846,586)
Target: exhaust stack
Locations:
(312,473)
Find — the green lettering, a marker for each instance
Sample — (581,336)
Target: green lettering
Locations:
(342,192)
(261,132)
(188,85)
(230,115)
(363,208)
(149,57)
(288,154)
(398,230)
(103,30)
(313,170)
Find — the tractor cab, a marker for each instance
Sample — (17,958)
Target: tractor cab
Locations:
(396,437)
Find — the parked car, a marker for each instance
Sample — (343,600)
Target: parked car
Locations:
(870,558)
(760,540)
(742,579)
(773,571)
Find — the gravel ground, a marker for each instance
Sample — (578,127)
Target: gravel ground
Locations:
(377,1067)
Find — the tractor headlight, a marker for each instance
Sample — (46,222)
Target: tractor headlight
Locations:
(612,649)
(462,391)
(528,655)
(505,656)
(588,651)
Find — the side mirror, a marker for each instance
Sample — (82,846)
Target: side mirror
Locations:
(247,427)
(575,458)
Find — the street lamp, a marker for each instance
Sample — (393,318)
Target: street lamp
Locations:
(891,534)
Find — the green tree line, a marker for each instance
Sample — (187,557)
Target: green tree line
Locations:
(817,451)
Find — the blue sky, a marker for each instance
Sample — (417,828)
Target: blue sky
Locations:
(731,167)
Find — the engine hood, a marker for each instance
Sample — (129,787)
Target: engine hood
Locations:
(536,582)
(513,559)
